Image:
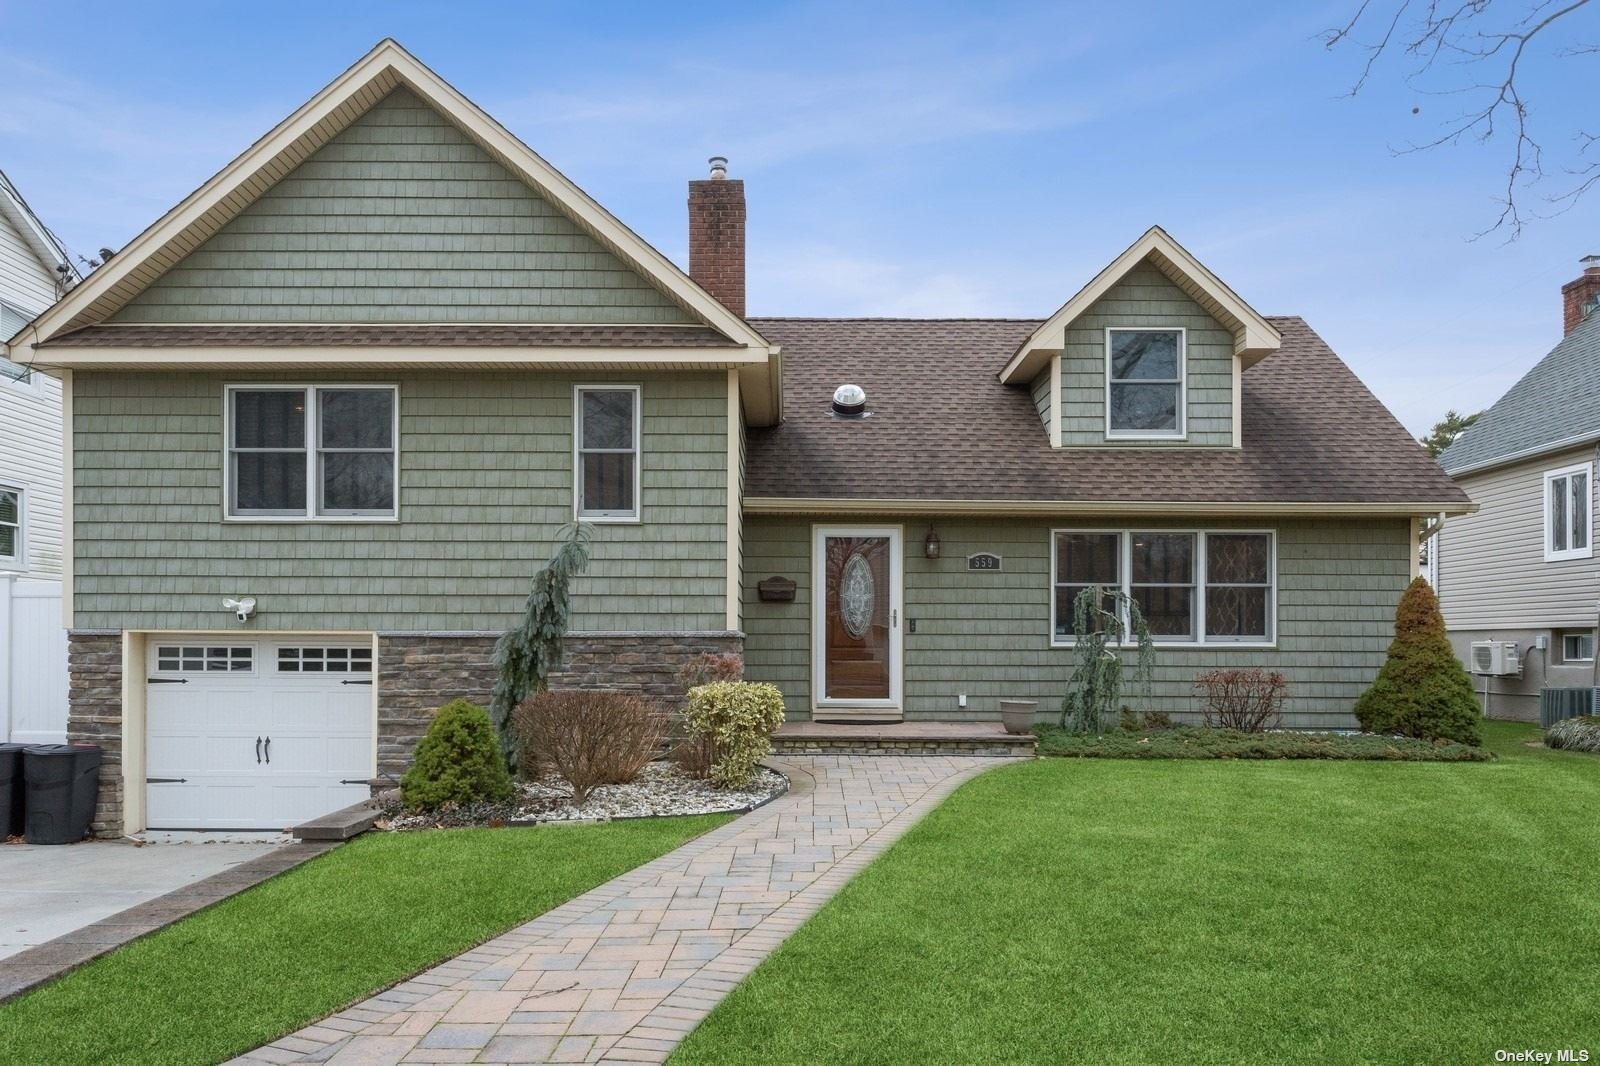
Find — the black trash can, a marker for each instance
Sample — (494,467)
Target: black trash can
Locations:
(11,790)
(60,782)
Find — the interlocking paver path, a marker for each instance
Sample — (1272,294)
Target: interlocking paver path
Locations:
(625,971)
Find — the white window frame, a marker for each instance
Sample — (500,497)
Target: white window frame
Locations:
(1182,430)
(1125,573)
(313,506)
(1551,554)
(30,377)
(635,515)
(1565,658)
(17,560)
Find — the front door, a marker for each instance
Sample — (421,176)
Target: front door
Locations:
(856,644)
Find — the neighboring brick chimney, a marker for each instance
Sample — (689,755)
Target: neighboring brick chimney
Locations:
(1579,298)
(716,235)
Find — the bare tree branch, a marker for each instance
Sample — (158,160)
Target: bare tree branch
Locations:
(1460,34)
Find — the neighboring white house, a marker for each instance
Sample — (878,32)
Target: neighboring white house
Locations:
(33,644)
(1522,571)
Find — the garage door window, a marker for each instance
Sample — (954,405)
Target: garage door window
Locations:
(203,659)
(324,660)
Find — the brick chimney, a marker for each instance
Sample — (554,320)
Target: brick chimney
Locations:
(716,235)
(1575,295)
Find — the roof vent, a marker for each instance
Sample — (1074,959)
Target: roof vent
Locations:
(849,401)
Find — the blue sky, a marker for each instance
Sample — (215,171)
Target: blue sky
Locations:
(921,160)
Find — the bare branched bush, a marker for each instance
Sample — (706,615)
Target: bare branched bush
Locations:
(590,738)
(1250,701)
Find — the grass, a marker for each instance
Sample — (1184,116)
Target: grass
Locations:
(1104,911)
(324,935)
(1193,742)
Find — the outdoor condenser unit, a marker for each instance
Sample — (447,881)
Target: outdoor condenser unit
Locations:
(1496,658)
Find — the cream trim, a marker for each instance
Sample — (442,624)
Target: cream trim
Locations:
(337,104)
(67,549)
(1238,405)
(1055,401)
(135,688)
(734,502)
(66,357)
(1254,337)
(823,505)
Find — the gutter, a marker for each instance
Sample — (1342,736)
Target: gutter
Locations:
(1526,453)
(824,505)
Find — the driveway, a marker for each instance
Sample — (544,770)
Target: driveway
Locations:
(46,892)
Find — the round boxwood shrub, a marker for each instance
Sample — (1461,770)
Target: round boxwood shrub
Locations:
(458,762)
(1422,689)
(738,719)
(1575,734)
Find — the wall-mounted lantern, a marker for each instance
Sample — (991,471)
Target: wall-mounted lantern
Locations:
(930,544)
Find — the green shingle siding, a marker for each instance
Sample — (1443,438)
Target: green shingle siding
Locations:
(485,483)
(401,218)
(1147,297)
(988,634)
(1043,399)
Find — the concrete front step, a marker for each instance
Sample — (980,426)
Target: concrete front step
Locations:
(901,738)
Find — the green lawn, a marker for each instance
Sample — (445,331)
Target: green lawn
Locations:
(1074,910)
(318,938)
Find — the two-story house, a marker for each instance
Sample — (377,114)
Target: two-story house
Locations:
(1522,570)
(34,271)
(362,377)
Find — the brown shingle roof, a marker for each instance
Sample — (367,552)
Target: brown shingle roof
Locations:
(942,427)
(466,335)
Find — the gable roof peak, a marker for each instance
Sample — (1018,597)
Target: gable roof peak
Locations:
(386,67)
(1254,338)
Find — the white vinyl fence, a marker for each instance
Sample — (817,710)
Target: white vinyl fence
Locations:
(33,662)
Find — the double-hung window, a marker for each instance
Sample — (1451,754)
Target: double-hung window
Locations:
(1568,513)
(322,452)
(1207,587)
(11,548)
(607,452)
(1144,383)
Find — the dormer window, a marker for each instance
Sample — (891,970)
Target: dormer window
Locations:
(1144,384)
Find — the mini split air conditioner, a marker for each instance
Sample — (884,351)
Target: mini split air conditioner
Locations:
(1496,658)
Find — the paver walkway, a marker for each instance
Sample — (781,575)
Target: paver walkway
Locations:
(625,971)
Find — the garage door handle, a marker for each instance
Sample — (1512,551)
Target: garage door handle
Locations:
(269,751)
(166,780)
(355,682)
(258,751)
(167,680)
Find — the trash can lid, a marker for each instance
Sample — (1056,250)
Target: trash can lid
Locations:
(47,749)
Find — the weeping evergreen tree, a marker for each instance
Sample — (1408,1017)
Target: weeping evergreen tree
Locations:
(1095,689)
(525,657)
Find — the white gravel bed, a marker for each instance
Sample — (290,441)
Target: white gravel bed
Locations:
(660,789)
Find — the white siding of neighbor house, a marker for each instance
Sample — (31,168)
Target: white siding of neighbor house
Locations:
(1492,570)
(30,415)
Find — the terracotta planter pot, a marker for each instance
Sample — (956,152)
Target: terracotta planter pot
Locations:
(1017,715)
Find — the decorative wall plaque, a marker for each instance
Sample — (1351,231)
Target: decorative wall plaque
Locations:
(776,590)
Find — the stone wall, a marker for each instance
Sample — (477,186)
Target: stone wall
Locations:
(94,716)
(416,676)
(419,674)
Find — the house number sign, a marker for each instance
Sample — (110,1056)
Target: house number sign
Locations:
(983,561)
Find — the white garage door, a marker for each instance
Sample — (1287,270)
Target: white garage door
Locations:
(255,734)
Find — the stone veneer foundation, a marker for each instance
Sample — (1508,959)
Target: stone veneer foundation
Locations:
(417,674)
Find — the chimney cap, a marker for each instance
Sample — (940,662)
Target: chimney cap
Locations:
(1590,262)
(719,170)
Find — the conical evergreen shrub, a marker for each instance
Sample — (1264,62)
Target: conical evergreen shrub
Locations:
(458,761)
(1422,689)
